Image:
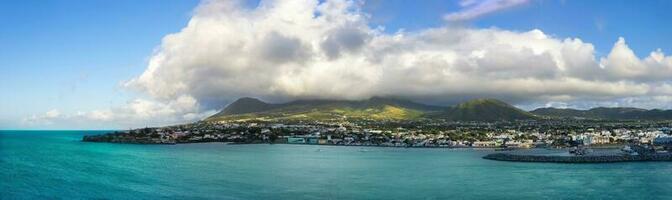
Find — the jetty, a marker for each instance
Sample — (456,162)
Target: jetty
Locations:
(630,153)
(579,159)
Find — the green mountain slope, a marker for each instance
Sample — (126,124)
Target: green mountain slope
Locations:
(245,105)
(485,110)
(375,108)
(371,109)
(615,113)
(559,112)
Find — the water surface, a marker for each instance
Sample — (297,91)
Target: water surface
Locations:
(55,164)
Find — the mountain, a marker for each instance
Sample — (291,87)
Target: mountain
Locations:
(613,113)
(245,105)
(376,108)
(485,110)
(560,112)
(380,108)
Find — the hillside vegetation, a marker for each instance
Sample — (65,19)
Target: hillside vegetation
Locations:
(376,108)
(614,113)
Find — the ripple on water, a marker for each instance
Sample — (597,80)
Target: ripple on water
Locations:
(56,165)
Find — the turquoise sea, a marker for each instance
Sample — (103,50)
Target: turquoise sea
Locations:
(56,165)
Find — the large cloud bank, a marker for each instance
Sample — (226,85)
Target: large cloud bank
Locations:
(295,49)
(306,49)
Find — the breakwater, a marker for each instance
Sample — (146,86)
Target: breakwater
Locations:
(579,159)
(126,138)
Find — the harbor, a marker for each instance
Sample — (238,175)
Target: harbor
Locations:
(658,150)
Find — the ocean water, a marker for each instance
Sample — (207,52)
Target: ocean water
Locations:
(56,165)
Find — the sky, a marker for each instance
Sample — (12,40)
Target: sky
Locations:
(93,64)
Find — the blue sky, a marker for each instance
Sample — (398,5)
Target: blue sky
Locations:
(642,23)
(74,55)
(71,55)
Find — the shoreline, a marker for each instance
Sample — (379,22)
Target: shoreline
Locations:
(338,145)
(509,156)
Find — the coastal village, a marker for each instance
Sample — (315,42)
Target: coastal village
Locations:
(429,134)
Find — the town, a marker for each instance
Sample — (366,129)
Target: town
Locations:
(421,133)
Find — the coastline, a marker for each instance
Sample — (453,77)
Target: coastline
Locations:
(306,144)
(508,157)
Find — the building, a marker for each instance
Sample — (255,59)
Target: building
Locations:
(296,140)
(484,144)
(599,139)
(663,140)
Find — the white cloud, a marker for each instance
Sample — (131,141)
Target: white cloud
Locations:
(43,119)
(142,112)
(52,114)
(285,50)
(475,8)
(135,113)
(623,63)
(306,49)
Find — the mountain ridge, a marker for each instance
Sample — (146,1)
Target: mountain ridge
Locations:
(375,108)
(609,113)
(245,105)
(486,110)
(385,108)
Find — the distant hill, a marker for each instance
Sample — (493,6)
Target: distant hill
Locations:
(485,110)
(376,108)
(245,105)
(379,108)
(614,113)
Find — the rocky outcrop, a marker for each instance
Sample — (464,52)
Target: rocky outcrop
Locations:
(126,138)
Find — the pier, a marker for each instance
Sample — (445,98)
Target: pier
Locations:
(579,158)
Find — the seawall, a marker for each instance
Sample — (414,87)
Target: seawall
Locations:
(578,159)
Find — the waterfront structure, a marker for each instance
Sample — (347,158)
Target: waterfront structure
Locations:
(663,140)
(296,140)
(444,134)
